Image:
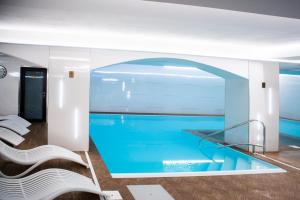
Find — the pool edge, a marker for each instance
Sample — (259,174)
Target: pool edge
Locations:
(187,174)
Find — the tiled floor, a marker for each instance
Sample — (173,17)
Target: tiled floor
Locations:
(264,186)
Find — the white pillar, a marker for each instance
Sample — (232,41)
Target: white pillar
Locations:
(68,111)
(247,99)
(264,102)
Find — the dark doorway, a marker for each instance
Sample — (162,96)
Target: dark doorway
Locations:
(33,90)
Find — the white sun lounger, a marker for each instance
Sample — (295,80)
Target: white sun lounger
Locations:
(11,125)
(36,156)
(17,119)
(10,136)
(46,184)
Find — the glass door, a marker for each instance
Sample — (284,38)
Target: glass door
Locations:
(33,90)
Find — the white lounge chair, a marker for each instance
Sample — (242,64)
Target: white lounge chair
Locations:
(46,184)
(11,125)
(10,136)
(17,119)
(36,156)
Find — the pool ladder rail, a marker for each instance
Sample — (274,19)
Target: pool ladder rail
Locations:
(208,137)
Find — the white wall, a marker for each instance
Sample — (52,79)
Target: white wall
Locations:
(9,86)
(68,110)
(290,96)
(68,126)
(34,53)
(156,89)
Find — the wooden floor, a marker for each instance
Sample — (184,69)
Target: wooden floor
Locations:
(264,186)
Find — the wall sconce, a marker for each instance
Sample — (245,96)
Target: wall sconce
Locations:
(71,74)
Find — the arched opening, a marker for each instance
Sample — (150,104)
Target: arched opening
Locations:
(158,86)
(160,104)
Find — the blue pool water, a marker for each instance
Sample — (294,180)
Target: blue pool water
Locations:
(139,144)
(290,128)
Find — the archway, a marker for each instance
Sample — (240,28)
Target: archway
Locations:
(235,94)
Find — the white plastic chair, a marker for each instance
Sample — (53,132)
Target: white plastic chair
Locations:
(36,156)
(11,125)
(46,184)
(10,136)
(17,119)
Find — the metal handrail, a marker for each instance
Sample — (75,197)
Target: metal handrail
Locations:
(239,125)
(241,144)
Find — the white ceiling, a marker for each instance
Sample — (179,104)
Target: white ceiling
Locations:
(149,26)
(286,8)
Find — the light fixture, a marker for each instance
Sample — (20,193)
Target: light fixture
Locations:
(69,58)
(157,74)
(110,79)
(180,162)
(61,93)
(146,42)
(270,101)
(76,123)
(14,74)
(180,68)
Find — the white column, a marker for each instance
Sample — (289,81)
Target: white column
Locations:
(264,102)
(247,99)
(68,110)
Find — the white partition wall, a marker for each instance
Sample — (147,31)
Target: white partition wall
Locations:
(264,102)
(247,99)
(136,88)
(68,110)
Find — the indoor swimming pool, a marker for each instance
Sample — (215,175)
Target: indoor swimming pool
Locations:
(158,146)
